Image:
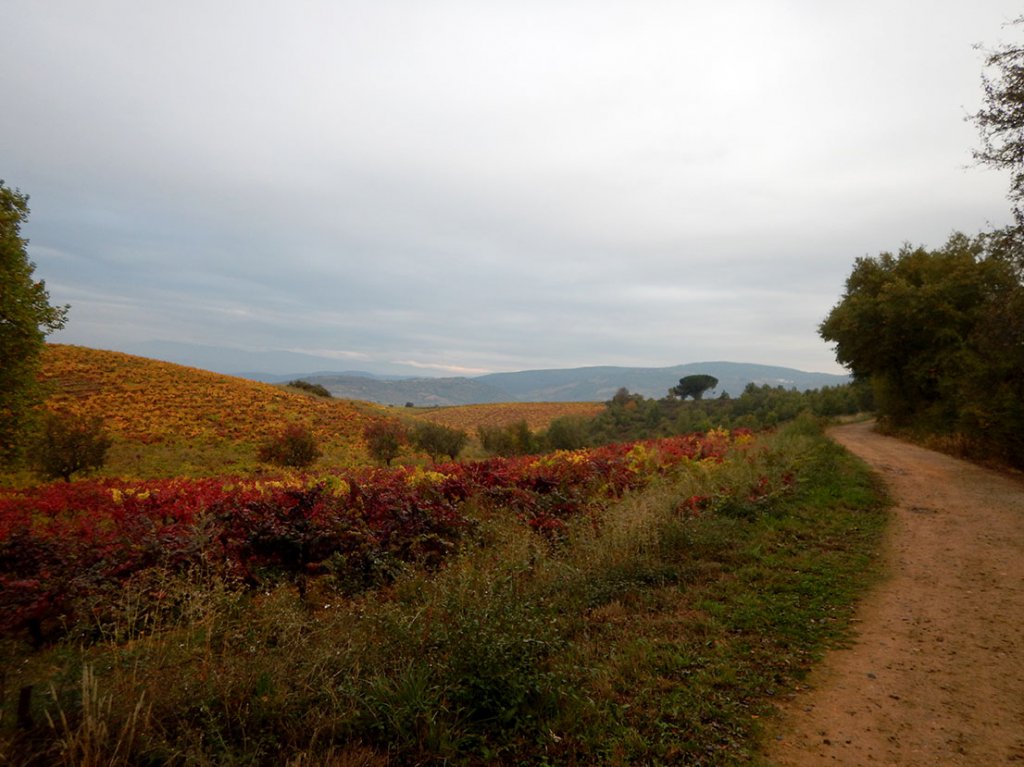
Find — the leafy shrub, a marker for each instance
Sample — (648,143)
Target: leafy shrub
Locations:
(512,439)
(570,432)
(631,416)
(69,444)
(67,548)
(312,388)
(438,440)
(295,447)
(384,439)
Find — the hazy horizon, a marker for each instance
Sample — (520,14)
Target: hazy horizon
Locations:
(287,364)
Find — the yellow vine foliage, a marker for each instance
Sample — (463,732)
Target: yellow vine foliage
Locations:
(148,401)
(538,415)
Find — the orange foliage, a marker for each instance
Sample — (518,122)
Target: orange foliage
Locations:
(536,414)
(147,401)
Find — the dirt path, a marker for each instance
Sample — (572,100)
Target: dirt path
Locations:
(936,674)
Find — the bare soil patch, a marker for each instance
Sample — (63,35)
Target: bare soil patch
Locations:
(935,674)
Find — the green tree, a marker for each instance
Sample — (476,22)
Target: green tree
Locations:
(694,386)
(1001,120)
(940,335)
(508,440)
(437,440)
(26,317)
(623,396)
(384,439)
(904,320)
(569,432)
(68,444)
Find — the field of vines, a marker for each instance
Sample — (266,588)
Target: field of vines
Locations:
(147,401)
(66,548)
(538,415)
(637,603)
(640,602)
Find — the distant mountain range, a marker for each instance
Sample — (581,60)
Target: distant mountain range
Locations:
(591,384)
(587,384)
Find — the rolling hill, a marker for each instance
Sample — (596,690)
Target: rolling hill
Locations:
(169,419)
(538,415)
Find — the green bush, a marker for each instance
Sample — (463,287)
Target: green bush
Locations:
(508,440)
(69,444)
(312,388)
(295,447)
(438,440)
(631,416)
(384,439)
(570,432)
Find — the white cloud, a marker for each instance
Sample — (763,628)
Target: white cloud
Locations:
(489,186)
(454,370)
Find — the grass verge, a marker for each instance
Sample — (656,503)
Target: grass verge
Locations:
(657,631)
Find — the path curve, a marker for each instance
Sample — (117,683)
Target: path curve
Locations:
(935,675)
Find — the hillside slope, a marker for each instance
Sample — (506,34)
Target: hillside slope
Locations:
(538,415)
(146,402)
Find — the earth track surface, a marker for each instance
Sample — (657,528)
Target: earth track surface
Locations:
(935,673)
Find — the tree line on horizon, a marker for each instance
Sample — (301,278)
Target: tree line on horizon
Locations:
(629,417)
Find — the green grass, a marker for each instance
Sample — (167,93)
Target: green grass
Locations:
(686,672)
(642,637)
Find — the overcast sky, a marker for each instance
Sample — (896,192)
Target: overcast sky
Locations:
(461,187)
